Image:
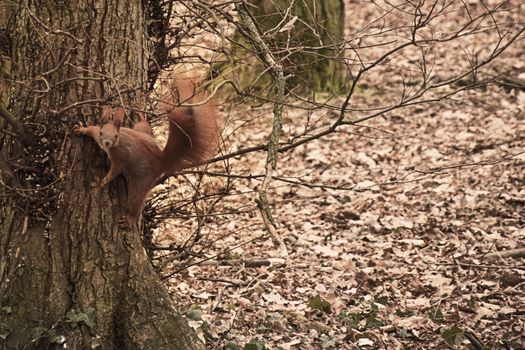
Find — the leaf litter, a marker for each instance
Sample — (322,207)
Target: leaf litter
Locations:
(395,259)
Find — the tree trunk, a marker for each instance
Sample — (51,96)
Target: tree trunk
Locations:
(310,47)
(68,274)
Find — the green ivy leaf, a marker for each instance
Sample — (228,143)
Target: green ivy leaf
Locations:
(406,333)
(318,303)
(383,300)
(194,313)
(38,332)
(6,310)
(403,313)
(352,320)
(453,336)
(77,317)
(471,303)
(96,343)
(327,342)
(56,338)
(254,344)
(5,330)
(231,346)
(373,322)
(437,316)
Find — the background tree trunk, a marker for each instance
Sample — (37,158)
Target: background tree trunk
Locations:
(68,274)
(309,46)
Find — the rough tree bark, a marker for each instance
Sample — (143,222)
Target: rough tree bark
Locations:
(68,274)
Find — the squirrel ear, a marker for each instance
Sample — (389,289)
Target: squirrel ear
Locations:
(106,113)
(118,117)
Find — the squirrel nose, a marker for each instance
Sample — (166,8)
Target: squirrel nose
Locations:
(107,143)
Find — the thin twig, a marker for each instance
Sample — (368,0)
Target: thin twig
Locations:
(271,162)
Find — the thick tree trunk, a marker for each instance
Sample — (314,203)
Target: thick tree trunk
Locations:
(68,274)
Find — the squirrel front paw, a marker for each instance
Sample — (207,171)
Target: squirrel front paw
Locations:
(96,181)
(80,130)
(105,181)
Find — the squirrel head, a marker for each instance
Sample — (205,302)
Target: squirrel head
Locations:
(109,131)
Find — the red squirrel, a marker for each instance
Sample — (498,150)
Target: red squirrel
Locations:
(193,138)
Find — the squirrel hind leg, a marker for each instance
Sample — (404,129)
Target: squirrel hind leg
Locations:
(137,192)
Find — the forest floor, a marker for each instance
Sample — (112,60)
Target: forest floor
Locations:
(388,227)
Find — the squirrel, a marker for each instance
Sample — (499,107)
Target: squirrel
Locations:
(193,139)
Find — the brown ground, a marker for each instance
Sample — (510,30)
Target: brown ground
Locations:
(387,224)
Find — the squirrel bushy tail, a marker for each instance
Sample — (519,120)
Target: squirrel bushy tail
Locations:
(193,130)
